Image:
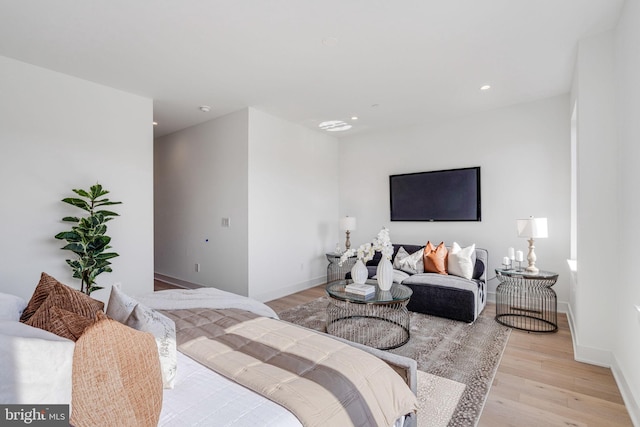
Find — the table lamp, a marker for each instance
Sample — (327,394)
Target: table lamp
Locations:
(348,224)
(532,228)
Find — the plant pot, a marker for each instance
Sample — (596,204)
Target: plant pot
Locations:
(359,272)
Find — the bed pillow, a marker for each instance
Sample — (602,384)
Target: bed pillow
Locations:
(462,260)
(116,377)
(61,322)
(70,300)
(36,365)
(130,312)
(40,294)
(435,258)
(11,307)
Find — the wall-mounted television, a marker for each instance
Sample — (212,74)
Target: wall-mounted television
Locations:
(445,195)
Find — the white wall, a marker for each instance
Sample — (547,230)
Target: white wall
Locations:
(58,132)
(293,205)
(278,184)
(592,310)
(200,178)
(626,291)
(524,155)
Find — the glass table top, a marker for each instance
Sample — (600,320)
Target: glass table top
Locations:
(397,293)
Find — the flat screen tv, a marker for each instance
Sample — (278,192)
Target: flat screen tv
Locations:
(446,195)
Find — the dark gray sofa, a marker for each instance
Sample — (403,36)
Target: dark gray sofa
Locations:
(442,295)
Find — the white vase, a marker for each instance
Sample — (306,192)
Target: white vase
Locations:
(359,272)
(384,274)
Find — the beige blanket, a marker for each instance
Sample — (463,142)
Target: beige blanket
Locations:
(320,380)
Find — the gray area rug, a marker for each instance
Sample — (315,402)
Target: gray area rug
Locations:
(464,353)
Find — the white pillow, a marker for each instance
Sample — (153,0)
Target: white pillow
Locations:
(36,365)
(130,312)
(411,264)
(11,306)
(462,260)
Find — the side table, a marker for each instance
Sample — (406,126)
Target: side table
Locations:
(526,301)
(335,271)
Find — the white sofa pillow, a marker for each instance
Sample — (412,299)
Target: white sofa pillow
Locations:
(130,312)
(462,260)
(11,306)
(36,365)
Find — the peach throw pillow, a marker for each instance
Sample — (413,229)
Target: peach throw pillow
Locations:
(435,258)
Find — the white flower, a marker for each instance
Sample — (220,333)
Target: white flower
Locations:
(381,243)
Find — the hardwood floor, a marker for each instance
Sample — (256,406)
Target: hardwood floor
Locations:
(537,383)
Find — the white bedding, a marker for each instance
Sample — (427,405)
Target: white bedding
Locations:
(176,299)
(202,397)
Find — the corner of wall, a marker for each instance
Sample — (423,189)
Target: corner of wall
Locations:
(593,356)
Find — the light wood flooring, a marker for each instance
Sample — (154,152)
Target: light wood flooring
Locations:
(537,384)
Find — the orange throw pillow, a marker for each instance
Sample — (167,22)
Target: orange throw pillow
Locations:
(435,258)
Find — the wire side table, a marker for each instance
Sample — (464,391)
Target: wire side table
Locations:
(526,301)
(380,321)
(335,271)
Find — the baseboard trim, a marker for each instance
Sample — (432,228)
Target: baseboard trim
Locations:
(176,282)
(582,353)
(283,292)
(627,394)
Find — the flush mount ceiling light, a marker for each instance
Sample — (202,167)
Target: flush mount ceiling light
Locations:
(354,118)
(205,108)
(485,87)
(334,126)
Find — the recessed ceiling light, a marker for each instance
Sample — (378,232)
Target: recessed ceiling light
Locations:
(205,108)
(354,118)
(334,126)
(155,123)
(485,87)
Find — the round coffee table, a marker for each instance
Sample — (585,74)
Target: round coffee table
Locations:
(380,321)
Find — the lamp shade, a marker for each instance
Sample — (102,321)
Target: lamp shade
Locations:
(532,227)
(348,223)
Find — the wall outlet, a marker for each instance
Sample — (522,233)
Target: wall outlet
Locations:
(197,268)
(226,222)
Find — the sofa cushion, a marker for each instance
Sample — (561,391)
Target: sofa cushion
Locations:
(461,261)
(409,263)
(435,258)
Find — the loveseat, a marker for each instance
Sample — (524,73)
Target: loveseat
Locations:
(443,295)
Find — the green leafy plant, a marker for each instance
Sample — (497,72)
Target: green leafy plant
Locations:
(87,239)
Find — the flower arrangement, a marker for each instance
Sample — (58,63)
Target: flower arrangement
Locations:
(381,243)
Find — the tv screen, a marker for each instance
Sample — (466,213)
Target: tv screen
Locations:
(446,195)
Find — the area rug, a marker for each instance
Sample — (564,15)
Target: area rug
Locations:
(452,351)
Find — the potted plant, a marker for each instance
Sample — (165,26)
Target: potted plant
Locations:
(87,239)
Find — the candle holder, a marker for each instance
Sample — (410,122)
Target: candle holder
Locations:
(519,266)
(507,265)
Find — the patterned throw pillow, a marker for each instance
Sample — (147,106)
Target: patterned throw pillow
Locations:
(60,309)
(411,264)
(40,294)
(116,377)
(130,312)
(61,322)
(435,258)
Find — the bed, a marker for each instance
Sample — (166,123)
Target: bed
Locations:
(233,393)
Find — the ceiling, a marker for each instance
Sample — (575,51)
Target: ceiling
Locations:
(390,63)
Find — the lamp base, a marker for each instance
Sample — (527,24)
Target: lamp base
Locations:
(347,243)
(531,257)
(532,269)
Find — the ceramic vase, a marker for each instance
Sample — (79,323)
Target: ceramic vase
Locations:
(359,272)
(384,274)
